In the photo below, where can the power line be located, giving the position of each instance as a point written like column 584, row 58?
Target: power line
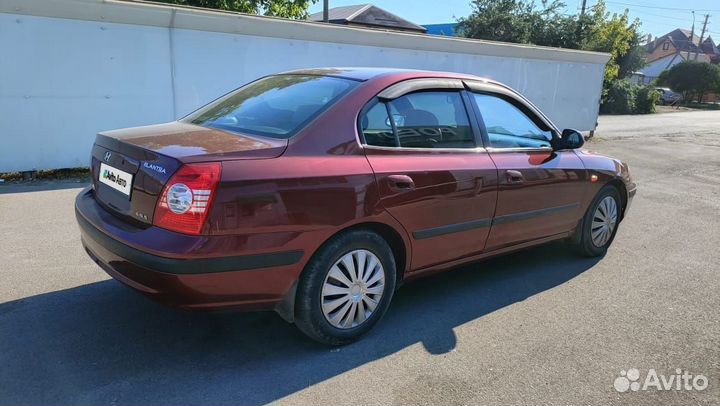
column 660, row 8
column 660, row 23
column 641, row 14
column 662, row 16
column 644, row 13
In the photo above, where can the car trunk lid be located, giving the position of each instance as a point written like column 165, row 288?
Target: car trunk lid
column 146, row 158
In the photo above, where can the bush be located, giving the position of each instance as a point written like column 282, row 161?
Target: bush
column 647, row 97
column 624, row 97
column 620, row 99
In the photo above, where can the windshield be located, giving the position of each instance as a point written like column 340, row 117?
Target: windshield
column 276, row 106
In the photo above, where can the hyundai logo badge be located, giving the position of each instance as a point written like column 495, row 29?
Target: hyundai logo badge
column 107, row 156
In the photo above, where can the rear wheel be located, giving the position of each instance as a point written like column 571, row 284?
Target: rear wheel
column 346, row 288
column 600, row 223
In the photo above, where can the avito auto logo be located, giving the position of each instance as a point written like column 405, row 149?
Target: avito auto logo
column 114, row 178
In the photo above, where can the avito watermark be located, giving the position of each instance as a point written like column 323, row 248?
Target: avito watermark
column 680, row 380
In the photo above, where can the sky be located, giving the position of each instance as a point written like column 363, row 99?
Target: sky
column 657, row 16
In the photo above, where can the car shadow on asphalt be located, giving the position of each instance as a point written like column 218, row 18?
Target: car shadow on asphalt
column 103, row 343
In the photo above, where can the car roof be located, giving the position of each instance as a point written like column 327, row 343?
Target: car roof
column 367, row 73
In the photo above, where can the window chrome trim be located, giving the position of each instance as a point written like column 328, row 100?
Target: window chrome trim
column 493, row 150
column 377, row 147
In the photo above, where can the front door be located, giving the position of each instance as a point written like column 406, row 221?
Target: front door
column 539, row 189
column 431, row 175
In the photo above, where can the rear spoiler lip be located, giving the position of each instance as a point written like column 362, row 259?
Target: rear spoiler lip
column 114, row 140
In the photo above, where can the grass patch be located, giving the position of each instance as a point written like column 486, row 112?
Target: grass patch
column 74, row 174
column 702, row 106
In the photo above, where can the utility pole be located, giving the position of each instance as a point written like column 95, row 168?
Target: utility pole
column 581, row 22
column 326, row 11
column 692, row 34
column 702, row 34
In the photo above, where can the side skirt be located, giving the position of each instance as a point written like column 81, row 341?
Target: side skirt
column 462, row 261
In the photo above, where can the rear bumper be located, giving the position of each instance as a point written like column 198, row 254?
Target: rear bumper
column 182, row 270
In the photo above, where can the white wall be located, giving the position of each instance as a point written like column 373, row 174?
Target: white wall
column 557, row 88
column 62, row 80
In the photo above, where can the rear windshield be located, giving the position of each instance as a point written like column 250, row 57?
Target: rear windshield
column 276, row 106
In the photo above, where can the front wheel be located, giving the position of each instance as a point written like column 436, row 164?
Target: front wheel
column 346, row 288
column 600, row 223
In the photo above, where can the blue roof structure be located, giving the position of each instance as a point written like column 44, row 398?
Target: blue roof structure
column 447, row 29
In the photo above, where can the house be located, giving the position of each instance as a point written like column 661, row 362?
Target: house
column 710, row 48
column 368, row 16
column 674, row 47
column 678, row 40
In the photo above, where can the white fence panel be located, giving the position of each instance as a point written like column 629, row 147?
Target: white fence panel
column 71, row 68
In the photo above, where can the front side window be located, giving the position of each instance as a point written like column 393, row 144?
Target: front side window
column 509, row 127
column 434, row 119
column 276, row 106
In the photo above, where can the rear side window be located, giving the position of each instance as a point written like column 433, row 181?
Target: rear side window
column 276, row 106
column 507, row 126
column 422, row 120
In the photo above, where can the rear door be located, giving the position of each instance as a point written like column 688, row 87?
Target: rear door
column 540, row 190
column 433, row 175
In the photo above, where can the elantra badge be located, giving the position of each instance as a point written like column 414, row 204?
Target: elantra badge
column 156, row 168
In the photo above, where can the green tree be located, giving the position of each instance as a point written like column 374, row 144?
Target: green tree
column 516, row 21
column 527, row 22
column 633, row 61
column 691, row 78
column 296, row 9
column 616, row 35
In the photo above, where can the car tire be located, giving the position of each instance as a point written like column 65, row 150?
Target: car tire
column 321, row 288
column 598, row 228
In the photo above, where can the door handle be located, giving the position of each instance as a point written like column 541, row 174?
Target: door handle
column 514, row 177
column 400, row 183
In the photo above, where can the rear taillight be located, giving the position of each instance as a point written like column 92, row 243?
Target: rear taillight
column 185, row 201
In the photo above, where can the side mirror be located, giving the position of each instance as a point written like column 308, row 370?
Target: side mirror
column 398, row 118
column 570, row 139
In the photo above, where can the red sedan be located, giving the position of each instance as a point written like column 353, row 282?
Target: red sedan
column 316, row 193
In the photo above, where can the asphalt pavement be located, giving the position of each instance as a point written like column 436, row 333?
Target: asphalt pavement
column 541, row 326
